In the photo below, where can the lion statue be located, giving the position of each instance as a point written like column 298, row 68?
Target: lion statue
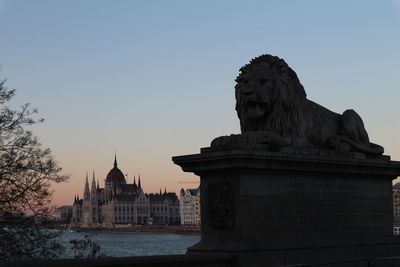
column 273, row 109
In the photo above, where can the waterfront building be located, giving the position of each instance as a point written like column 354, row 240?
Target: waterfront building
column 120, row 203
column 396, row 230
column 189, row 201
column 77, row 211
column 64, row 214
column 164, row 208
column 396, row 204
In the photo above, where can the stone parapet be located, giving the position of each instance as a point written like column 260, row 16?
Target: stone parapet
column 193, row 260
column 263, row 201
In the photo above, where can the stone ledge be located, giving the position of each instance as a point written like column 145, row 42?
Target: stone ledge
column 270, row 245
column 190, row 260
column 209, row 160
column 331, row 153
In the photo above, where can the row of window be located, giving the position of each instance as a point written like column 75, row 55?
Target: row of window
column 166, row 218
column 128, row 208
column 124, row 218
column 144, row 208
column 154, row 208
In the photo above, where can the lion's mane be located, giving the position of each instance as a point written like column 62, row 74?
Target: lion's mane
column 284, row 117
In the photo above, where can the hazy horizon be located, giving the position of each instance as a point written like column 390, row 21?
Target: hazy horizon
column 154, row 79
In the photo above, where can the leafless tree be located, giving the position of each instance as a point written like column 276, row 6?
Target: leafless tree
column 26, row 173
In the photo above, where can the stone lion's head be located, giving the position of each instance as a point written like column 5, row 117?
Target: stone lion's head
column 269, row 97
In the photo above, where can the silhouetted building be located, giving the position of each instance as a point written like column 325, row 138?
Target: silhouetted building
column 64, row 214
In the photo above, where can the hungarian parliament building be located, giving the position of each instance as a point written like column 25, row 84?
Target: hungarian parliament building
column 122, row 203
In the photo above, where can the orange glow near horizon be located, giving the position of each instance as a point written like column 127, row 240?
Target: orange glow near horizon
column 169, row 178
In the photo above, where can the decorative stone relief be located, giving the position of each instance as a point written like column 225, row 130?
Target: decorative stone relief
column 221, row 206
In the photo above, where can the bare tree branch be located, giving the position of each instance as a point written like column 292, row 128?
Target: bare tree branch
column 26, row 171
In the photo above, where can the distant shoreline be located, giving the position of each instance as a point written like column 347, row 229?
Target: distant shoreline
column 168, row 229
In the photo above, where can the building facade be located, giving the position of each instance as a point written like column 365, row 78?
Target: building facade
column 189, row 201
column 120, row 203
column 64, row 214
column 396, row 204
column 164, row 208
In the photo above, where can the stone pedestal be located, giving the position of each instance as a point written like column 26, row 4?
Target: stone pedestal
column 306, row 207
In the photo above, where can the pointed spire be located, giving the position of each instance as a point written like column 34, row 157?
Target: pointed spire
column 139, row 185
column 93, row 179
column 134, row 180
column 160, row 191
column 115, row 160
column 165, row 190
column 98, row 185
column 86, row 193
column 93, row 190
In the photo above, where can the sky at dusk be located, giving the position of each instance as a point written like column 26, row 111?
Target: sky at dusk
column 154, row 79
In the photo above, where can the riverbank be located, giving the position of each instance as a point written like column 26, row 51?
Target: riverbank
column 170, row 229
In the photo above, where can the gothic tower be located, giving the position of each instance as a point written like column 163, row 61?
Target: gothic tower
column 86, row 207
column 94, row 201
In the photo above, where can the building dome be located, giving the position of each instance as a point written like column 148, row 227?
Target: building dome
column 115, row 175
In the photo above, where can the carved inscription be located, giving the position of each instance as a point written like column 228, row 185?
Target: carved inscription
column 221, row 206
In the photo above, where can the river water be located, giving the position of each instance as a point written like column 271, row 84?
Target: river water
column 116, row 244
